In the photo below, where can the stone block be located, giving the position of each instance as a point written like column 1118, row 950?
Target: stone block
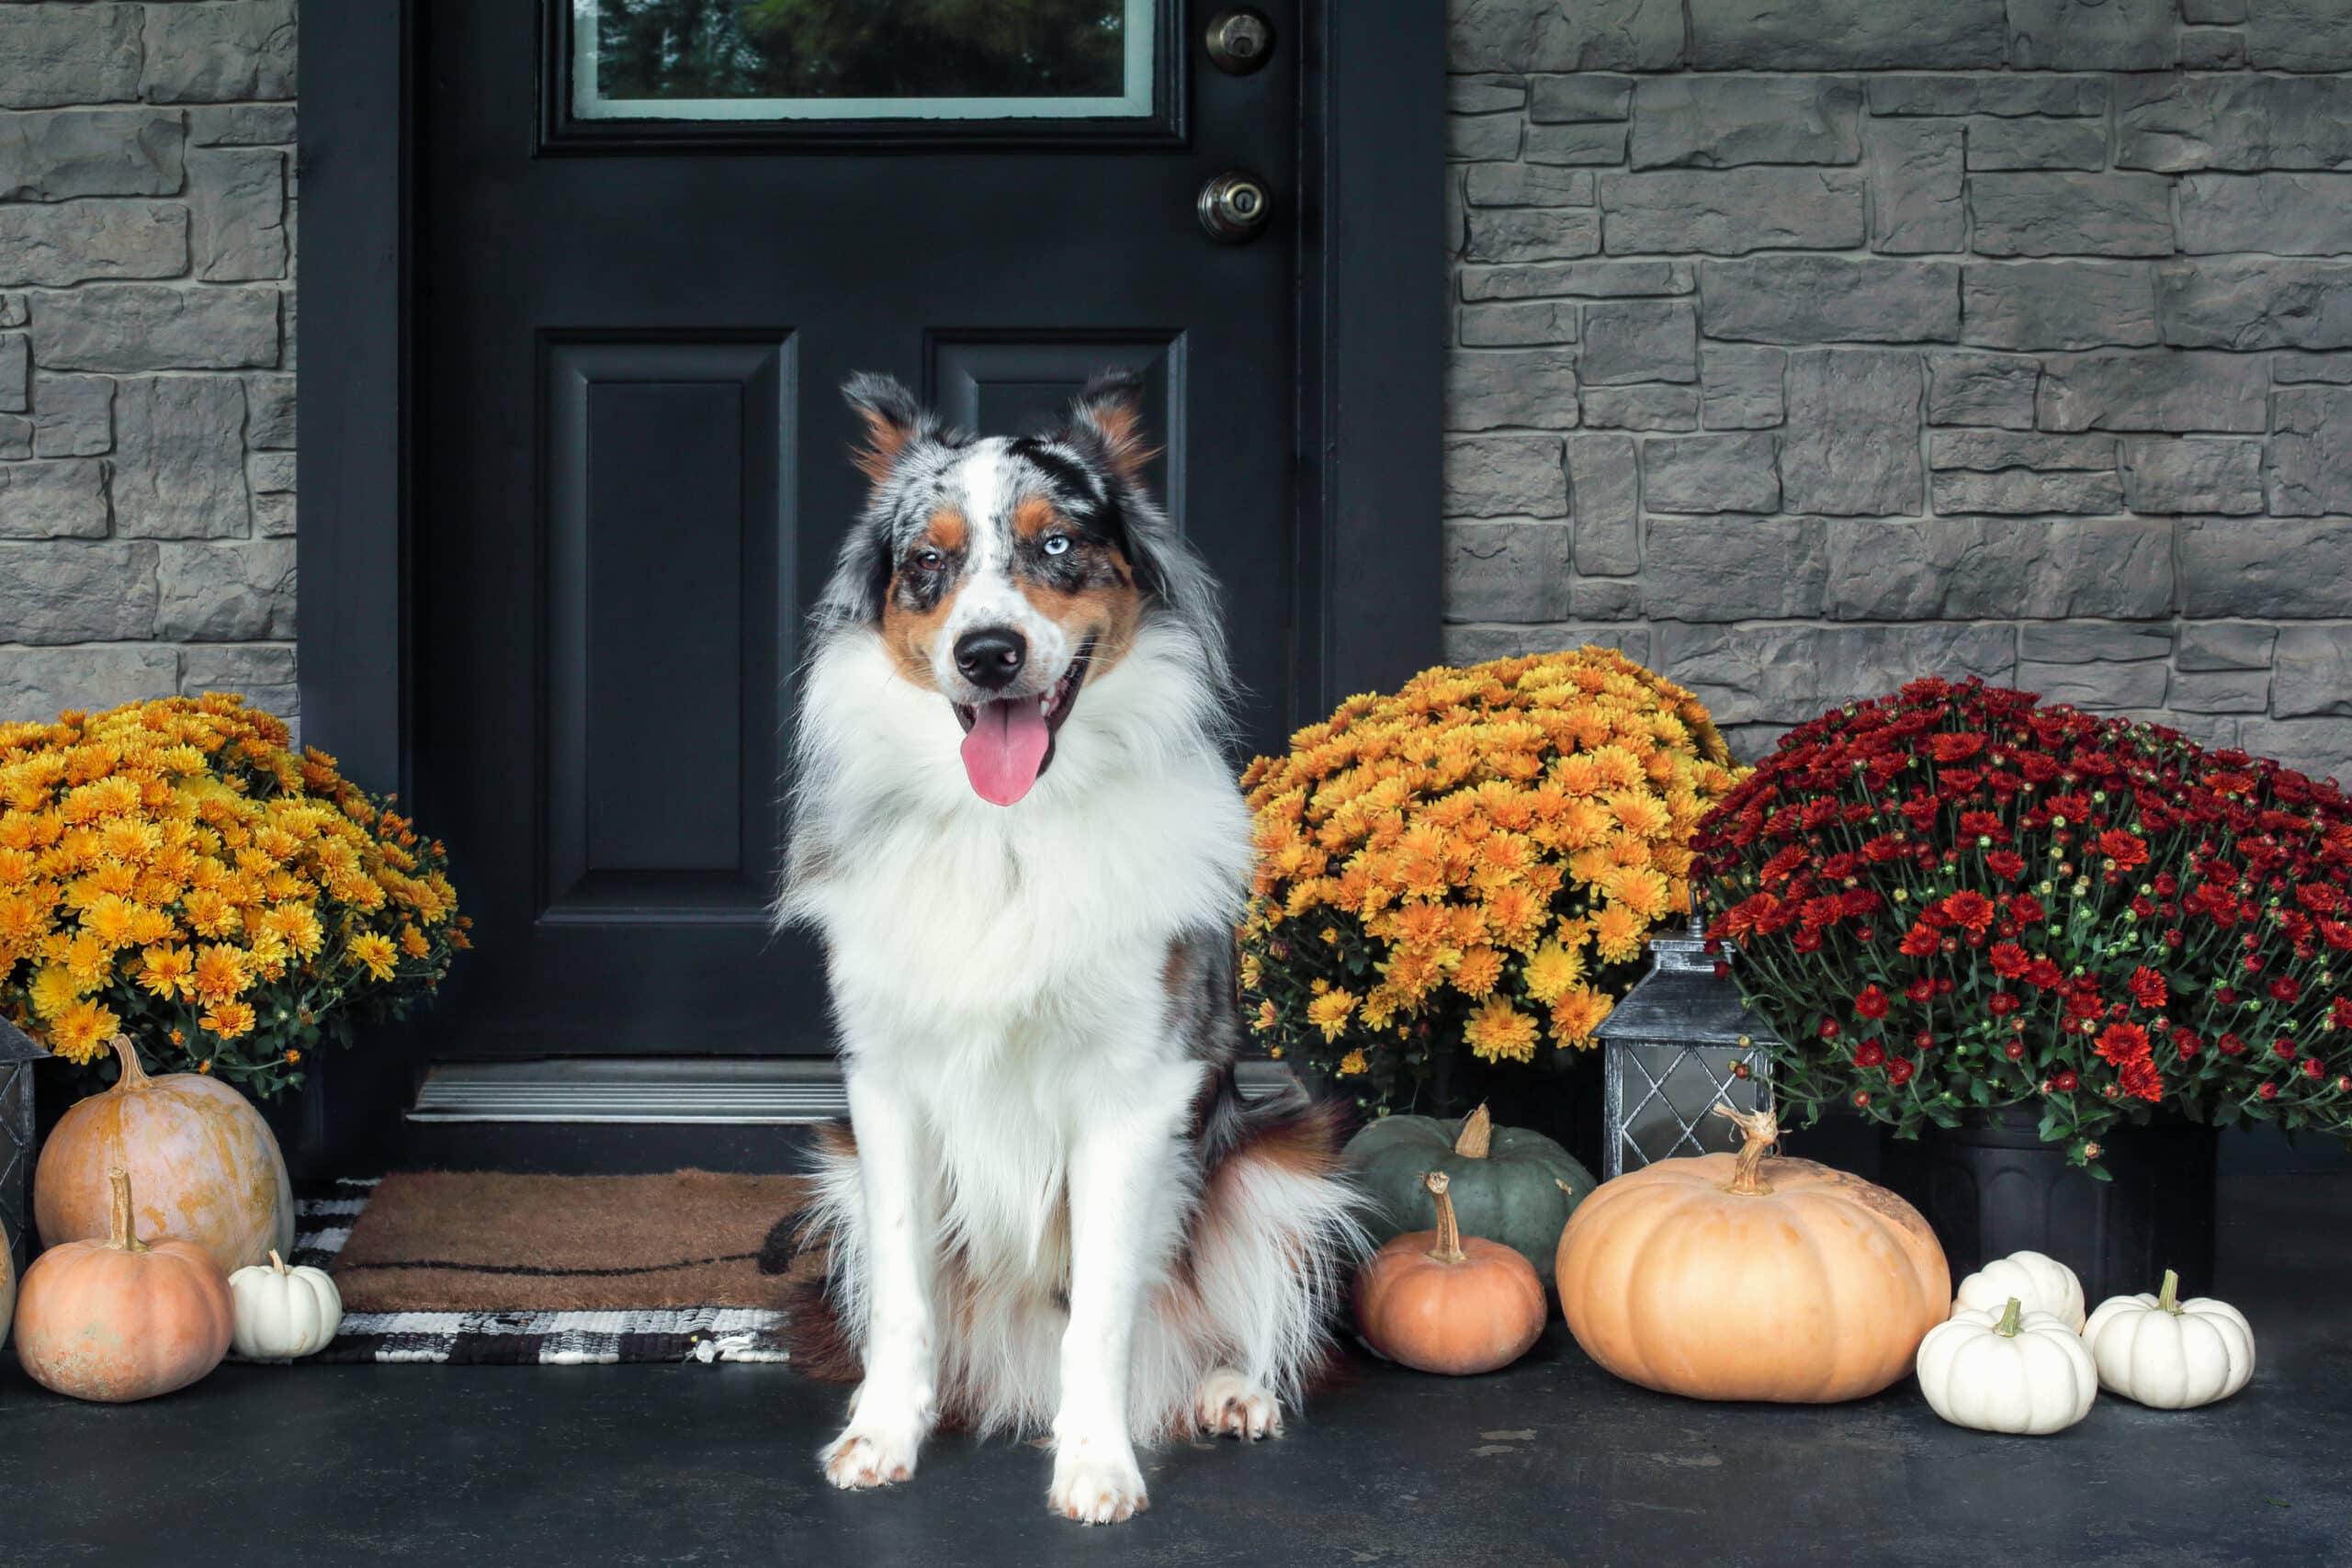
column 2203, row 48
column 1605, row 477
column 2265, row 568
column 1640, row 340
column 2225, row 645
column 64, row 498
column 2223, row 392
column 1977, row 567
column 2101, row 687
column 102, row 590
column 1740, row 386
column 16, row 437
column 1471, row 138
column 1728, row 472
column 68, row 54
column 1655, row 406
column 1915, row 177
column 2318, row 748
column 2090, row 642
column 2003, row 94
column 2192, row 473
column 38, row 684
column 1988, row 451
column 1786, row 674
column 274, row 514
column 1733, row 569
column 2233, row 120
column 1576, row 143
column 1583, row 98
column 2312, row 677
column 1605, row 598
column 241, row 592
column 179, row 469
column 1504, row 476
column 1846, row 35
column 1531, row 233
column 135, row 327
column 1528, row 184
column 2058, row 305
column 1526, row 387
column 1506, row 571
column 2212, row 12
column 2221, row 691
column 1852, row 444
column 2299, row 35
column 1579, row 280
column 2284, row 214
column 1982, row 389
column 2036, row 143
column 219, row 53
column 1474, row 644
column 2303, row 367
column 262, row 673
column 1715, row 123
column 2036, row 214
column 1519, row 323
column 1516, row 37
column 1733, row 212
column 2256, row 302
column 72, row 415
column 2093, row 35
column 2024, row 493
column 16, row 372
column 270, row 413
column 2309, row 473
column 1484, row 94
column 13, row 311
column 237, row 206
column 76, row 153
column 1813, row 299
column 242, row 125
column 79, row 241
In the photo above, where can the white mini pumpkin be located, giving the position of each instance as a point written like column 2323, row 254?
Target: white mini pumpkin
column 2039, row 1282
column 2017, row 1371
column 282, row 1312
column 2168, row 1353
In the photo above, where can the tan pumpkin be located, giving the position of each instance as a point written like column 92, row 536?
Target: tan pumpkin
column 1439, row 1301
column 118, row 1320
column 1745, row 1276
column 205, row 1165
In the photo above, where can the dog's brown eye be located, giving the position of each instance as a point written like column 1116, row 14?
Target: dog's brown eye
column 929, row 560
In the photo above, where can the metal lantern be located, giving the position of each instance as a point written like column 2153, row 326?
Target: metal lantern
column 1680, row 1043
column 17, row 1055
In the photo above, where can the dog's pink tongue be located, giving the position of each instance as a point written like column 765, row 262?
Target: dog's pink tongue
column 1005, row 749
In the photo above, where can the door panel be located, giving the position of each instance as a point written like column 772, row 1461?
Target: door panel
column 632, row 478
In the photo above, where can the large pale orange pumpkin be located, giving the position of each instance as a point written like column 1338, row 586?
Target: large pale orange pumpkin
column 205, row 1165
column 1441, row 1301
column 118, row 1320
column 1745, row 1276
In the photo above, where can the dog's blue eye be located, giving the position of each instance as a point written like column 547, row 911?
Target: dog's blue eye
column 1057, row 544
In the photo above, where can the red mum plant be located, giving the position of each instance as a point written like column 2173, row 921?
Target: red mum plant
column 1957, row 898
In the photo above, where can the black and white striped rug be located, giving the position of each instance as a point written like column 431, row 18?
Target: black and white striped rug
column 324, row 1216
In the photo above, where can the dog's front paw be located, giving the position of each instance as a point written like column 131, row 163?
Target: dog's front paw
column 868, row 1456
column 1227, row 1405
column 1097, row 1485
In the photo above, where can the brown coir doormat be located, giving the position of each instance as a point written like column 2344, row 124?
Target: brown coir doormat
column 468, row 1241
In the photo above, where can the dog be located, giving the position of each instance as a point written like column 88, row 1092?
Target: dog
column 1016, row 832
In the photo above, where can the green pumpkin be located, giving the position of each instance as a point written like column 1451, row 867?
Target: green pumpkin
column 1509, row 1185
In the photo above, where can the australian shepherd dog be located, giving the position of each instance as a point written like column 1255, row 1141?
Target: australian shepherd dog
column 1017, row 834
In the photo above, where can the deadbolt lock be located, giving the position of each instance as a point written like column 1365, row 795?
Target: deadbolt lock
column 1234, row 207
column 1241, row 41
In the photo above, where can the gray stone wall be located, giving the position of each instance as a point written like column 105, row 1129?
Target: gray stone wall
column 146, row 351
column 1802, row 348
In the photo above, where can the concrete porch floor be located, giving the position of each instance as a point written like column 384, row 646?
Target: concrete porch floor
column 1553, row 1461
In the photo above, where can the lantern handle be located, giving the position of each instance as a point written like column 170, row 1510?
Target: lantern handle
column 1698, row 927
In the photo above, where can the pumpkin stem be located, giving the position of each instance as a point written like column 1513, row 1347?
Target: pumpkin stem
column 133, row 1075
column 2168, row 1298
column 123, row 1233
column 277, row 1262
column 1477, row 1135
column 1449, row 1230
column 2007, row 1327
column 1762, row 1130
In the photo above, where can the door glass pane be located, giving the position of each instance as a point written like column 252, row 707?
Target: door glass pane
column 752, row 59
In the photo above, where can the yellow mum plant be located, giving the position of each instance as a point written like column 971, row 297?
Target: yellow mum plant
column 170, row 870
column 1477, row 858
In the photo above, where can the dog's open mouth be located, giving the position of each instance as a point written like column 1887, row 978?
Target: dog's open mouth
column 1009, row 745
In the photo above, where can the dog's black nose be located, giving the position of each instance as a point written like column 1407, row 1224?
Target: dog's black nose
column 991, row 657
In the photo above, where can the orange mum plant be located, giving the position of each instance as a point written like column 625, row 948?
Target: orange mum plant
column 1475, row 861
column 170, row 870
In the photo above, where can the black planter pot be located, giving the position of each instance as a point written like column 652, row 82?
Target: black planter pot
column 1991, row 1187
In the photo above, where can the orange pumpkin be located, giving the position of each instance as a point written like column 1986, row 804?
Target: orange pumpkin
column 118, row 1320
column 1743, row 1277
column 206, row 1165
column 1441, row 1301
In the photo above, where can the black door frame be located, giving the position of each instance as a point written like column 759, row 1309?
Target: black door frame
column 1371, row 321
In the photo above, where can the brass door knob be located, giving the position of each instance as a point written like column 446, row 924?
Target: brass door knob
column 1234, row 207
column 1241, row 41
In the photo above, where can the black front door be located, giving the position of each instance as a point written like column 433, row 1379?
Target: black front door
column 653, row 237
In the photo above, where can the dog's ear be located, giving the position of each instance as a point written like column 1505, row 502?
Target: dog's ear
column 894, row 421
column 1107, row 421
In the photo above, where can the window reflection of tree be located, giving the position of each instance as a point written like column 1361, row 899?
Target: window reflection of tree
column 859, row 49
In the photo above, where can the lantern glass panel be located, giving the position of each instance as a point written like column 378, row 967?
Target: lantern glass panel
column 1663, row 1097
column 16, row 1155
